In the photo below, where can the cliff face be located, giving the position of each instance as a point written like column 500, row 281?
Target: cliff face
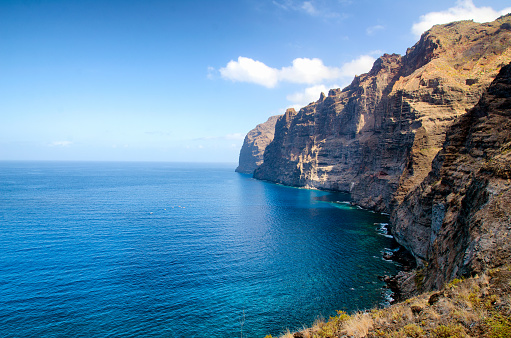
column 251, row 154
column 458, row 220
column 377, row 137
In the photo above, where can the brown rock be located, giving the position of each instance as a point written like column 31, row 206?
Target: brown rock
column 251, row 154
column 400, row 139
column 377, row 137
column 416, row 310
column 457, row 220
column 434, row 298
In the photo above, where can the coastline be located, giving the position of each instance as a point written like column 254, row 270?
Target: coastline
column 396, row 283
column 398, row 254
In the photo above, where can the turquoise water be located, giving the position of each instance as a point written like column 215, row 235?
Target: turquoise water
column 176, row 250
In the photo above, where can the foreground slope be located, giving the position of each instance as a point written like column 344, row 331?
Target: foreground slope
column 475, row 307
column 377, row 137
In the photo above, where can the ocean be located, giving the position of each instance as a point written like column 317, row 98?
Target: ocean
column 96, row 249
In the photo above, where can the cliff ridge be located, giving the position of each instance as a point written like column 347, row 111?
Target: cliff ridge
column 254, row 144
column 377, row 137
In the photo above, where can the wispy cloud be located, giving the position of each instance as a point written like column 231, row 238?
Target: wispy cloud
column 303, row 70
column 464, row 10
column 158, row 133
column 373, row 29
column 211, row 73
column 308, row 7
column 320, row 9
column 60, row 144
column 233, row 136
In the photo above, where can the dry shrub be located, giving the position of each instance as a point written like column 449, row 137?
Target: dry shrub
column 288, row 334
column 472, row 307
column 326, row 328
column 411, row 330
column 500, row 326
column 449, row 331
column 396, row 314
column 445, row 306
column 359, row 325
column 431, row 314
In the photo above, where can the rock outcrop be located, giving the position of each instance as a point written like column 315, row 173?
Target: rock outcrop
column 251, row 153
column 378, row 137
column 458, row 220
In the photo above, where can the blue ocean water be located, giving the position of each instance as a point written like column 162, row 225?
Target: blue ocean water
column 176, row 250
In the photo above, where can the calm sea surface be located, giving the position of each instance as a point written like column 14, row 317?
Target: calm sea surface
column 176, row 250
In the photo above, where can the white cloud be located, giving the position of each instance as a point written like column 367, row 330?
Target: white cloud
column 358, row 66
column 310, row 94
column 302, row 70
column 373, row 29
column 60, row 144
column 308, row 71
column 248, row 70
column 343, row 74
column 464, row 10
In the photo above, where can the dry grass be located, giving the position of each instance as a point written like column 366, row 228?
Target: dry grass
column 475, row 307
column 359, row 325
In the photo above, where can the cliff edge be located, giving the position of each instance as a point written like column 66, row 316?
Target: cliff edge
column 458, row 220
column 377, row 137
column 256, row 141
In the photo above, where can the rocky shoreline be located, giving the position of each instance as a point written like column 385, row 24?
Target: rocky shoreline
column 383, row 140
column 426, row 138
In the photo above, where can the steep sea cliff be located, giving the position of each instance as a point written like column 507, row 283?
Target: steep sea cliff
column 256, row 141
column 383, row 139
column 458, row 220
column 464, row 208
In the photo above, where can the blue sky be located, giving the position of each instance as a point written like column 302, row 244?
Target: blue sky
column 158, row 80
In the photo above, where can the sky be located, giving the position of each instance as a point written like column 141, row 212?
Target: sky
column 184, row 81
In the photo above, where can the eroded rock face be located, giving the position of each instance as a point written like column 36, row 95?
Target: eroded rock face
column 458, row 220
column 377, row 137
column 251, row 154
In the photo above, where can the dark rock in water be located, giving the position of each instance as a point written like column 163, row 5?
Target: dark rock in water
column 404, row 258
column 251, row 154
column 388, row 255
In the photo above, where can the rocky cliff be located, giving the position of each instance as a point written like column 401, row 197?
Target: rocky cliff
column 458, row 220
column 251, row 153
column 377, row 137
